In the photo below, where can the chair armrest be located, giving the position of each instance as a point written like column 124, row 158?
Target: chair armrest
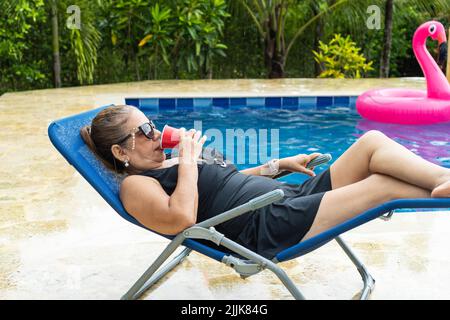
column 251, row 205
column 282, row 174
column 323, row 158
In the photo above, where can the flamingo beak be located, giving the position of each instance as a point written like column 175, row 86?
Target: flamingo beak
column 441, row 38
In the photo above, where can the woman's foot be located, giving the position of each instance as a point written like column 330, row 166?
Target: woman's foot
column 442, row 190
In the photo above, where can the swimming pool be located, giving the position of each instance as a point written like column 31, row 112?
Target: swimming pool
column 302, row 125
column 293, row 125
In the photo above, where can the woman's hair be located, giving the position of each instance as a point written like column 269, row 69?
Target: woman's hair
column 106, row 129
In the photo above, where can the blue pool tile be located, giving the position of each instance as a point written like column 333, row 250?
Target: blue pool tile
column 238, row 102
column 308, row 102
column 323, row 102
column 185, row 103
column 221, row 102
column 256, row 102
column 352, row 103
column 166, row 104
column 132, row 102
column 341, row 101
column 201, row 103
column 290, row 103
column 273, row 102
column 149, row 104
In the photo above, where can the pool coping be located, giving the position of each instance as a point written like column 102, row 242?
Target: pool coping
column 286, row 87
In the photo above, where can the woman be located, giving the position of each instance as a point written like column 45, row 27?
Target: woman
column 169, row 195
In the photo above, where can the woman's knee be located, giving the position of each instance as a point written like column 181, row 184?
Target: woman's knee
column 373, row 137
column 370, row 142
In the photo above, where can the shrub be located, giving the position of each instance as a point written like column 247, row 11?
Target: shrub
column 341, row 58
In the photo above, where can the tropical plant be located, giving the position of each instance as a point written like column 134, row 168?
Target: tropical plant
column 273, row 18
column 270, row 18
column 188, row 39
column 158, row 37
column 85, row 42
column 196, row 28
column 200, row 26
column 126, row 19
column 19, row 67
column 341, row 59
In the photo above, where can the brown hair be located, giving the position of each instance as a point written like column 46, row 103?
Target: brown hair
column 106, row 129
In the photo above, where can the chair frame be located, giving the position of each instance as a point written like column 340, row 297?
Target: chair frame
column 244, row 261
column 254, row 262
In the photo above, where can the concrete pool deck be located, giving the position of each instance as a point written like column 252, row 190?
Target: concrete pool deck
column 60, row 240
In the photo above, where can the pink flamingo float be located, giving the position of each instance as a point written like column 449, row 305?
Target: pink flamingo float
column 407, row 106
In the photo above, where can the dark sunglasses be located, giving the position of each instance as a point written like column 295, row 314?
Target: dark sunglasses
column 147, row 129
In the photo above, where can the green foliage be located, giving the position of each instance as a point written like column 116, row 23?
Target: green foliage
column 159, row 37
column 186, row 34
column 199, row 31
column 84, row 42
column 341, row 59
column 130, row 40
column 19, row 66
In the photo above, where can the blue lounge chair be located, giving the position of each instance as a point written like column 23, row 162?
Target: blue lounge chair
column 202, row 237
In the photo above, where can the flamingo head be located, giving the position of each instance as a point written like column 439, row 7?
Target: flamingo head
column 433, row 29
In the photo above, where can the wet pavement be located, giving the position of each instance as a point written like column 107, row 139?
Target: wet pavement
column 60, row 240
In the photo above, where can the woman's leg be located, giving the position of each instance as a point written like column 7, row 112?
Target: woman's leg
column 376, row 153
column 346, row 202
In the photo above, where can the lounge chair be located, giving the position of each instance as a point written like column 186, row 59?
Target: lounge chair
column 202, row 237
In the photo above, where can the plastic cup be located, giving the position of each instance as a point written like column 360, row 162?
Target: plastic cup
column 170, row 137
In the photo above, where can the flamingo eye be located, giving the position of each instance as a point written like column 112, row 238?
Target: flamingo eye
column 432, row 29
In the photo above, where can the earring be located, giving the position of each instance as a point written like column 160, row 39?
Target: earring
column 134, row 141
column 126, row 164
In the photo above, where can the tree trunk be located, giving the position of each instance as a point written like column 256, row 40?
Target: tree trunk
column 175, row 57
column 55, row 46
column 207, row 69
column 386, row 53
column 274, row 53
column 317, row 36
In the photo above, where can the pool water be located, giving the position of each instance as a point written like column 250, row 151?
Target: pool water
column 302, row 131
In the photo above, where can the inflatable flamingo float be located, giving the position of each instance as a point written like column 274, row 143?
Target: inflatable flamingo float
column 407, row 106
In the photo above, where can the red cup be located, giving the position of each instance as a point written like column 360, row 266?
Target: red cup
column 170, row 137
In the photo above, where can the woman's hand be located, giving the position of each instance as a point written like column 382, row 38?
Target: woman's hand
column 298, row 163
column 190, row 146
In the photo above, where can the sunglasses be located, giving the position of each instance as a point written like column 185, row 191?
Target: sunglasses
column 147, row 129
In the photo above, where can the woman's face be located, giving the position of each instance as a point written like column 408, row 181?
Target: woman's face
column 146, row 153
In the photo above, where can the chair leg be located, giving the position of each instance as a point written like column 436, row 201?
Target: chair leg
column 265, row 264
column 151, row 276
column 161, row 273
column 286, row 281
column 368, row 280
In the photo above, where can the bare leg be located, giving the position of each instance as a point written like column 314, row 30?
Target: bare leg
column 442, row 191
column 344, row 203
column 376, row 153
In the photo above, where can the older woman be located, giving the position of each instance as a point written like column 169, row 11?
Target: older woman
column 169, row 195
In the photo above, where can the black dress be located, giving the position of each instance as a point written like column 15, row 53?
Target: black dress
column 267, row 230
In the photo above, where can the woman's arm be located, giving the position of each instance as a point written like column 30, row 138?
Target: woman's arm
column 294, row 164
column 144, row 198
column 262, row 170
column 184, row 197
